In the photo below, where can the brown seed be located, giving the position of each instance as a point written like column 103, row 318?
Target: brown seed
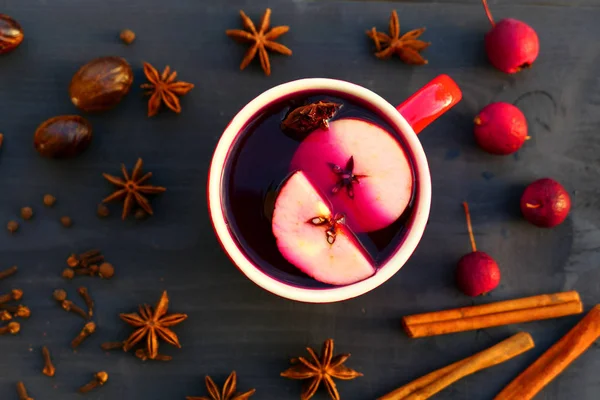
column 26, row 213
column 59, row 295
column 22, row 392
column 127, row 36
column 49, row 200
column 12, row 226
column 85, row 295
column 99, row 379
column 106, row 271
column 13, row 328
column 8, row 272
column 140, row 214
column 87, row 330
column 49, row 369
column 68, row 273
column 67, row 222
column 101, row 84
column 14, row 295
column 69, row 306
column 112, row 346
column 103, row 211
column 64, row 136
column 11, row 34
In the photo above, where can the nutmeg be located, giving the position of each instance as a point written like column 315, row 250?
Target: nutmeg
column 64, row 136
column 11, row 34
column 101, row 84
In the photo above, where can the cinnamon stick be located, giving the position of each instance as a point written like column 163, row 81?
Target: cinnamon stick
column 500, row 313
column 555, row 359
column 436, row 381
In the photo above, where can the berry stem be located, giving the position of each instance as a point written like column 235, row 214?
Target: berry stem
column 469, row 226
column 488, row 13
column 528, row 205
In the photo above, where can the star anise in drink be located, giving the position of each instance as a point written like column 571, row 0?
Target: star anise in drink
column 323, row 369
column 346, row 177
column 131, row 188
column 261, row 40
column 332, row 225
column 407, row 46
column 163, row 88
column 229, row 391
column 153, row 324
column 307, row 118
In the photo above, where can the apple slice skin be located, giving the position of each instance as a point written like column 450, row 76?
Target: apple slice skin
column 305, row 245
column 382, row 195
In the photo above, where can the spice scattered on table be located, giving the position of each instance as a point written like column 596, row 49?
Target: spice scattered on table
column 64, row 136
column 12, row 226
column 434, row 382
column 22, row 392
column 66, row 221
column 18, row 311
column 476, row 273
column 229, row 391
column 127, row 36
column 87, row 298
column 69, row 306
column 101, row 84
column 106, row 271
column 132, row 189
column 26, row 213
column 102, row 211
column 112, row 346
column 321, row 370
column 49, row 200
column 140, row 214
column 527, row 309
column 511, row 45
column 555, row 360
column 11, row 34
column 87, row 330
column 142, row 354
column 14, row 295
column 13, row 328
column 100, row 379
column 408, row 46
column 1, row 140
column 8, row 272
column 152, row 324
column 305, row 119
column 545, row 203
column 261, row 40
column 164, row 89
column 85, row 259
column 49, row 369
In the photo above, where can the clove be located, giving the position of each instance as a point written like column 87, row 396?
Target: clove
column 22, row 392
column 69, row 306
column 112, row 346
column 143, row 355
column 15, row 294
column 8, row 272
column 100, row 379
column 85, row 295
column 49, row 369
column 19, row 311
column 85, row 259
column 13, row 328
column 87, row 330
column 5, row 315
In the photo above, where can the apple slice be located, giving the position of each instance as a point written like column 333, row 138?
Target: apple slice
column 315, row 240
column 361, row 168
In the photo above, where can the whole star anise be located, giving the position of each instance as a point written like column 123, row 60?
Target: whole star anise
column 164, row 89
column 319, row 370
column 346, row 177
column 332, row 223
column 407, row 46
column 260, row 39
column 132, row 188
column 153, row 324
column 228, row 392
column 307, row 118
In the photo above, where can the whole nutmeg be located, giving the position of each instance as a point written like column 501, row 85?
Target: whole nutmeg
column 64, row 136
column 11, row 34
column 101, row 84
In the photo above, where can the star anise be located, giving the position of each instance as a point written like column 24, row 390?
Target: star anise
column 153, row 324
column 228, row 393
column 332, row 223
column 346, row 177
column 305, row 119
column 260, row 39
column 164, row 89
column 132, row 188
column 407, row 46
column 324, row 369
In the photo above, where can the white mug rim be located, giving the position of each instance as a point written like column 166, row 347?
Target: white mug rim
column 319, row 295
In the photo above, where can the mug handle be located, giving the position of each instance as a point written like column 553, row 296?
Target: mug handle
column 429, row 102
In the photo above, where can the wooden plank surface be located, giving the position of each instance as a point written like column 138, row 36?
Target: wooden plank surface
column 232, row 323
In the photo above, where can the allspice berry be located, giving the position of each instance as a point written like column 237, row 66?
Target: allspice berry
column 26, row 213
column 67, row 222
column 68, row 273
column 140, row 214
column 12, row 226
column 127, row 36
column 106, row 271
column 49, row 200
column 103, row 211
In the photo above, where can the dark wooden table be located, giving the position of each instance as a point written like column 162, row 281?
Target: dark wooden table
column 232, row 323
